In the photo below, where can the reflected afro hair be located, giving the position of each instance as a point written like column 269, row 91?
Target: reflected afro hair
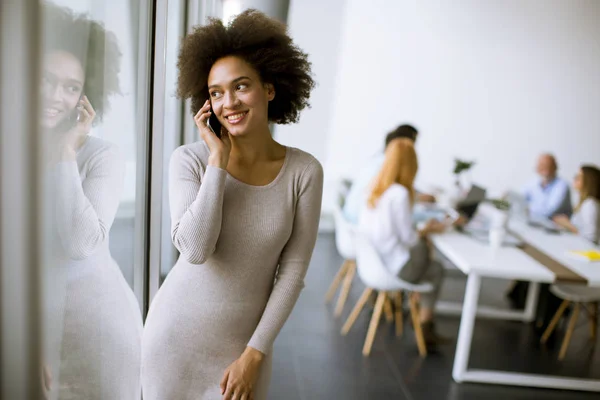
column 260, row 41
column 96, row 48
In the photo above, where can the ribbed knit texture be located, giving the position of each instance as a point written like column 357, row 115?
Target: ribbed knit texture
column 244, row 251
column 100, row 350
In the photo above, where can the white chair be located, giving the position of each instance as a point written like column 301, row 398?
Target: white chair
column 375, row 276
column 580, row 295
column 344, row 240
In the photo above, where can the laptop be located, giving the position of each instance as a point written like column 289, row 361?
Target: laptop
column 468, row 206
column 519, row 210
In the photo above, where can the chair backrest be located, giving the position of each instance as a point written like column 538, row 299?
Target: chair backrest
column 374, row 273
column 344, row 231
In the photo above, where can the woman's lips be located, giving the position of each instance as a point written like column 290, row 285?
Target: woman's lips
column 235, row 119
column 51, row 112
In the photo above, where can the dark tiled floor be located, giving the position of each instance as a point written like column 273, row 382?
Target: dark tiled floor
column 313, row 361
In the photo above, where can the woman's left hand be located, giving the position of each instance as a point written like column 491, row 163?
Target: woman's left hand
column 241, row 376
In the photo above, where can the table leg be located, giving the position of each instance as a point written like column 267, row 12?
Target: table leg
column 533, row 294
column 465, row 332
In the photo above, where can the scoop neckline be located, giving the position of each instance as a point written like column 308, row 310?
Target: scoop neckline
column 270, row 184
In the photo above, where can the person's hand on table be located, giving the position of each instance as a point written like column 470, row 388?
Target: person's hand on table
column 426, row 198
column 561, row 220
column 461, row 221
column 564, row 222
column 432, row 226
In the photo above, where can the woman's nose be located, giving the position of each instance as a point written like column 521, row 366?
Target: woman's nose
column 231, row 100
column 56, row 92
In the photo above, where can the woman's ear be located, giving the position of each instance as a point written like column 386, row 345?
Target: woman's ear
column 270, row 91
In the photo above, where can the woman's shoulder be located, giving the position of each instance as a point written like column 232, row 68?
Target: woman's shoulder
column 96, row 148
column 397, row 191
column 195, row 153
column 303, row 162
column 590, row 204
column 95, row 144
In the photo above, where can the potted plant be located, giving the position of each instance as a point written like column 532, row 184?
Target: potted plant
column 460, row 167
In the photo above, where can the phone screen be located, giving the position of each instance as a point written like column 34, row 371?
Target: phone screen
column 214, row 124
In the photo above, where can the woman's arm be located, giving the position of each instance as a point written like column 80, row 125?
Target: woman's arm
column 85, row 210
column 294, row 259
column 196, row 205
column 565, row 222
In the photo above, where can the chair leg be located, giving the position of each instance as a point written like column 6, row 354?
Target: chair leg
column 339, row 307
column 570, row 329
column 398, row 313
column 336, row 281
column 414, row 312
column 357, row 309
column 554, row 321
column 374, row 322
column 387, row 309
column 593, row 320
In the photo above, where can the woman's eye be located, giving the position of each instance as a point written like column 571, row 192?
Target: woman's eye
column 73, row 89
column 215, row 94
column 241, row 86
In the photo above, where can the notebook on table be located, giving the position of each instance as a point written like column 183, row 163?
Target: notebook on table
column 585, row 255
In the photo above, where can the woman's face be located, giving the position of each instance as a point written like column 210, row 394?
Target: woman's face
column 239, row 98
column 578, row 181
column 62, row 86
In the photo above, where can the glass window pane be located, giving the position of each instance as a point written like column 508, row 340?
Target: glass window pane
column 89, row 124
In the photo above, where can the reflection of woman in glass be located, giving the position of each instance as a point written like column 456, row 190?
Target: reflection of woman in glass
column 245, row 212
column 101, row 333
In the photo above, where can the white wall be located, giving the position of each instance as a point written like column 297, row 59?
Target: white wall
column 316, row 27
column 497, row 81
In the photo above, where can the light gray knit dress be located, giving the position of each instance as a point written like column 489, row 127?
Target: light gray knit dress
column 95, row 324
column 244, row 251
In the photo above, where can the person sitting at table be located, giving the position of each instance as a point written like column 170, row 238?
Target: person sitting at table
column 548, row 195
column 386, row 219
column 586, row 218
column 358, row 191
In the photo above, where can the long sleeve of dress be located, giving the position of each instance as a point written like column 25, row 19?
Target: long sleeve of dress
column 196, row 203
column 86, row 209
column 294, row 259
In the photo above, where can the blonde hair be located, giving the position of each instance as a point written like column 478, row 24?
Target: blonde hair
column 400, row 166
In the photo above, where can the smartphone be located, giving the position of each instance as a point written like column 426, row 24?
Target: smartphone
column 75, row 114
column 214, row 124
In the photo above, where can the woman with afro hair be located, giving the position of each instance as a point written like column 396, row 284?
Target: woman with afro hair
column 94, row 321
column 245, row 213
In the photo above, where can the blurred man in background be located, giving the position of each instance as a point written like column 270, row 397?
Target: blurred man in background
column 548, row 195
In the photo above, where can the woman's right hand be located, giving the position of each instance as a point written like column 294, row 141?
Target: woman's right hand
column 219, row 148
column 433, row 226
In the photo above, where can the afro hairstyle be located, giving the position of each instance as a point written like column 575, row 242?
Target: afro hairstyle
column 95, row 47
column 260, row 41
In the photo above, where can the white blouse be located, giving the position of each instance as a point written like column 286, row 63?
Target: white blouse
column 587, row 219
column 389, row 226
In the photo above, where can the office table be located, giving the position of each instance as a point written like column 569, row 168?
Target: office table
column 477, row 260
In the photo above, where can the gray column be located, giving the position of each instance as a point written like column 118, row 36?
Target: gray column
column 273, row 8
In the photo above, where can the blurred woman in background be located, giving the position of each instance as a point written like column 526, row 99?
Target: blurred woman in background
column 387, row 221
column 586, row 217
column 99, row 336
